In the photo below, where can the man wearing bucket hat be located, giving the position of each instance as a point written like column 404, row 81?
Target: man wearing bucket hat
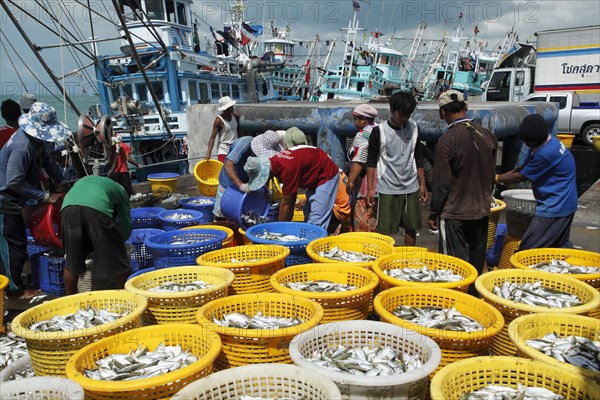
column 463, row 180
column 226, row 126
column 27, row 100
column 21, row 158
column 550, row 167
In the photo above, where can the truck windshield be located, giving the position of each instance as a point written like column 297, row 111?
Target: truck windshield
column 499, row 87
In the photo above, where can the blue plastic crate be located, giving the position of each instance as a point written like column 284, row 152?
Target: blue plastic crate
column 297, row 249
column 141, row 257
column 141, row 271
column 235, row 203
column 33, row 247
column 146, row 217
column 492, row 257
column 166, row 254
column 51, row 275
column 205, row 209
column 168, row 224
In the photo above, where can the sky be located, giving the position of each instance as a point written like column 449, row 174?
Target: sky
column 304, row 18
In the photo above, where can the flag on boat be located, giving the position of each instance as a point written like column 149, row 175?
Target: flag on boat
column 355, row 5
column 255, row 30
column 212, row 31
column 476, row 30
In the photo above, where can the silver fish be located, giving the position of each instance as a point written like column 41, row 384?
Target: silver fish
column 82, row 319
column 497, row 392
column 279, row 237
column 252, row 218
column 245, row 260
column 369, row 361
column 335, row 253
column 11, row 349
column 180, row 216
column 180, row 287
column 141, row 363
column 200, row 202
column 563, row 267
column 23, row 373
column 258, row 321
column 189, row 241
column 319, row 286
column 535, row 294
column 575, row 350
column 423, row 274
column 438, row 318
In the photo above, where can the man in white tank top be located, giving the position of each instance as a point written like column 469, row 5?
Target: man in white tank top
column 226, row 125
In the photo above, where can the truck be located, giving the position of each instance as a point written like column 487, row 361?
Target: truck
column 566, row 61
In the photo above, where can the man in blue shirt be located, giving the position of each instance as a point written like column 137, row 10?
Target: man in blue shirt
column 550, row 167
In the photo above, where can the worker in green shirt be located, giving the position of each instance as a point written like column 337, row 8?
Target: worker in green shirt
column 89, row 224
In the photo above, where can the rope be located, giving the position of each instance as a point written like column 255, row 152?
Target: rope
column 13, row 65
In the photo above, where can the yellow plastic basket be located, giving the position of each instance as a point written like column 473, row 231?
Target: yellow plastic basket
column 465, row 376
column 511, row 245
column 228, row 242
column 299, row 214
column 454, row 345
column 493, row 222
column 250, row 277
column 337, row 306
column 50, row 351
column 275, row 187
column 536, row 326
column 417, row 260
column 3, row 283
column 371, row 235
column 247, row 241
column 257, row 346
column 207, row 173
column 501, row 344
column 361, row 244
column 179, row 307
column 566, row 139
column 201, row 342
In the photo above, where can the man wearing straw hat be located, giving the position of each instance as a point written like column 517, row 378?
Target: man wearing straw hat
column 227, row 126
column 21, row 158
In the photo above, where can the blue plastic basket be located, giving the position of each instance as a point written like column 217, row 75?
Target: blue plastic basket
column 141, row 256
column 141, row 271
column 165, row 254
column 493, row 254
column 297, row 249
column 168, row 224
column 34, row 248
column 235, row 203
column 205, row 209
column 146, row 217
column 51, row 275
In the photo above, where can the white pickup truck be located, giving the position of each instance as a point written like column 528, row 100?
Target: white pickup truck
column 575, row 118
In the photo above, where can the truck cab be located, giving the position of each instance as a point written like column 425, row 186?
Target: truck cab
column 509, row 84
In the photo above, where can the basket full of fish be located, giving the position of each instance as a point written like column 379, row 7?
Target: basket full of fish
column 171, row 220
column 294, row 235
column 368, row 359
column 245, row 209
column 182, row 247
column 462, row 325
column 153, row 362
column 175, row 294
column 203, row 204
column 516, row 292
column 496, row 208
column 261, row 382
column 258, row 328
column 424, row 268
column 12, row 349
column 251, row 265
column 345, row 291
column 510, row 378
column 41, row 387
column 55, row 330
column 20, row 369
column 359, row 250
column 571, row 342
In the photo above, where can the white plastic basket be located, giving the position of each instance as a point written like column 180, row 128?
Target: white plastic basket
column 18, row 366
column 520, row 210
column 411, row 385
column 41, row 387
column 264, row 380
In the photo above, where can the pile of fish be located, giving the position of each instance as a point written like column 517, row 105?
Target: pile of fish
column 534, row 294
column 252, row 218
column 247, row 397
column 563, row 267
column 258, row 321
column 279, row 237
column 449, row 319
column 141, row 363
column 575, row 350
column 423, row 274
column 179, row 216
column 188, row 241
column 23, row 373
column 245, row 260
column 82, row 319
column 201, row 202
column 319, row 286
column 335, row 253
column 11, row 349
column 368, row 361
column 180, row 287
column 497, row 392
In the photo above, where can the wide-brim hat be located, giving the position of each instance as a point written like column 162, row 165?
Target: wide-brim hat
column 266, row 144
column 294, row 137
column 225, row 102
column 41, row 123
column 258, row 170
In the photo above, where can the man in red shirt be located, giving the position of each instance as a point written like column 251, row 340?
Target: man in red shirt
column 11, row 111
column 120, row 173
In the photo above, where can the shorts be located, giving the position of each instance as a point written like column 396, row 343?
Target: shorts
column 395, row 211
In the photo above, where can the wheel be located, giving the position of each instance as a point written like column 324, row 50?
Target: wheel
column 589, row 131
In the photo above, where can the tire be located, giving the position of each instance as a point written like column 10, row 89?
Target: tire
column 588, row 132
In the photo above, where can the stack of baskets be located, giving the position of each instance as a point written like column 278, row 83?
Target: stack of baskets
column 235, row 203
column 207, row 173
column 141, row 257
column 520, row 210
column 182, row 247
column 307, row 233
column 374, row 247
column 493, row 222
column 492, row 257
column 203, row 204
column 337, row 306
column 251, row 265
column 501, row 344
column 171, row 307
column 509, row 247
column 146, row 217
column 257, row 346
column 176, row 219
